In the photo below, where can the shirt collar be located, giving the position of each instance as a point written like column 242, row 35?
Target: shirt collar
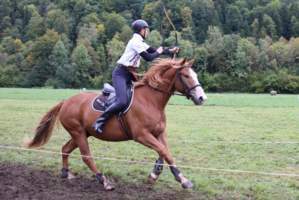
column 137, row 35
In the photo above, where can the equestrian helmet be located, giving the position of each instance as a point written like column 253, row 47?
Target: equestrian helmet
column 139, row 24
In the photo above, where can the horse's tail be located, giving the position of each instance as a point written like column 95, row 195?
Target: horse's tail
column 44, row 130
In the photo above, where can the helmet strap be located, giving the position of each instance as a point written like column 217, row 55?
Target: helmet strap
column 141, row 34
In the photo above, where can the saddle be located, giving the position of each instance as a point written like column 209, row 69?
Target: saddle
column 108, row 97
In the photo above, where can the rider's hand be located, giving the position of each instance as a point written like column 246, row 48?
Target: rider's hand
column 160, row 50
column 174, row 50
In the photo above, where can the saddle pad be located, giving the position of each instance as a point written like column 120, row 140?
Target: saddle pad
column 101, row 102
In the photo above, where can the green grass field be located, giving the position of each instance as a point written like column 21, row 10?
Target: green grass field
column 231, row 131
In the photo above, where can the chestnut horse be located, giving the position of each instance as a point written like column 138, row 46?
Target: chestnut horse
column 145, row 120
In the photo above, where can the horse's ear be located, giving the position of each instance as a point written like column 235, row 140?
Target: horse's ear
column 190, row 63
column 183, row 61
column 180, row 63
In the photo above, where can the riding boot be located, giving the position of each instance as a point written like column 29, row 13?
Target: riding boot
column 100, row 122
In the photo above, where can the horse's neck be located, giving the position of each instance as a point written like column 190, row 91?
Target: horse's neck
column 159, row 95
column 155, row 97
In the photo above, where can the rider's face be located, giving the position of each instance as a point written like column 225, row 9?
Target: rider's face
column 145, row 32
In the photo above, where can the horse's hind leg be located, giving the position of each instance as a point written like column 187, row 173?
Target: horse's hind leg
column 67, row 148
column 82, row 143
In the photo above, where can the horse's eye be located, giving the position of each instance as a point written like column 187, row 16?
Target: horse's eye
column 186, row 75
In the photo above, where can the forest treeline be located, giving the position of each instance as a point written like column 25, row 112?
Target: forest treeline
column 238, row 45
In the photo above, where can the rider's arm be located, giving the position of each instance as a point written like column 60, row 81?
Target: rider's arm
column 151, row 50
column 151, row 53
column 166, row 51
column 149, row 56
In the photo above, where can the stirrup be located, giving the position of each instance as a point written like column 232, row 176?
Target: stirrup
column 98, row 127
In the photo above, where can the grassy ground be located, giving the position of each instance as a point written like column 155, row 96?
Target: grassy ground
column 231, row 131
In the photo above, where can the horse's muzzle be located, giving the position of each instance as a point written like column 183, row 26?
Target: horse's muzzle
column 198, row 101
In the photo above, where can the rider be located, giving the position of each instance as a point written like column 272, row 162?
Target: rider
column 121, row 76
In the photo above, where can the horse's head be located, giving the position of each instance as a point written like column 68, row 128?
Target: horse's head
column 187, row 83
column 168, row 75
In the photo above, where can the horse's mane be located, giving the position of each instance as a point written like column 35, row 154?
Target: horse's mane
column 154, row 75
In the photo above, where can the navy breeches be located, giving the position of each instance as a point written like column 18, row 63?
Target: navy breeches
column 121, row 79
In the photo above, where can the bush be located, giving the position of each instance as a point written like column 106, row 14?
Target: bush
column 222, row 82
column 282, row 81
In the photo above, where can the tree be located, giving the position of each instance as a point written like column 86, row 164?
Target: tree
column 59, row 59
column 6, row 8
column 113, row 23
column 155, row 38
column 12, row 46
column 245, row 57
column 201, row 58
column 215, row 46
column 295, row 26
column 36, row 27
column 279, row 51
column 115, row 47
column 204, row 15
column 294, row 52
column 263, row 57
column 255, row 26
column 57, row 20
column 233, row 19
column 8, row 76
column 40, row 53
column 81, row 62
column 88, row 32
column 152, row 13
column 186, row 15
column 187, row 49
column 270, row 27
column 125, row 34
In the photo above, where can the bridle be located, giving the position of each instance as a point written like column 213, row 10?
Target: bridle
column 187, row 90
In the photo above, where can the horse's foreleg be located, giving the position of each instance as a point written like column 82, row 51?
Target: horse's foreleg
column 66, row 150
column 82, row 143
column 150, row 141
column 158, row 167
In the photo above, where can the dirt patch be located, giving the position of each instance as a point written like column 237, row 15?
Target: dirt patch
column 23, row 182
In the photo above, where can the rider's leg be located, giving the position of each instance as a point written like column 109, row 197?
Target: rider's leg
column 120, row 77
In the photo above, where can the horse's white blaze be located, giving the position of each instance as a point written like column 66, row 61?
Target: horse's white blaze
column 198, row 91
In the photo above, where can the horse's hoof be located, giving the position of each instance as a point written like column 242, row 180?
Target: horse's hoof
column 187, row 185
column 70, row 175
column 152, row 179
column 64, row 173
column 109, row 187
